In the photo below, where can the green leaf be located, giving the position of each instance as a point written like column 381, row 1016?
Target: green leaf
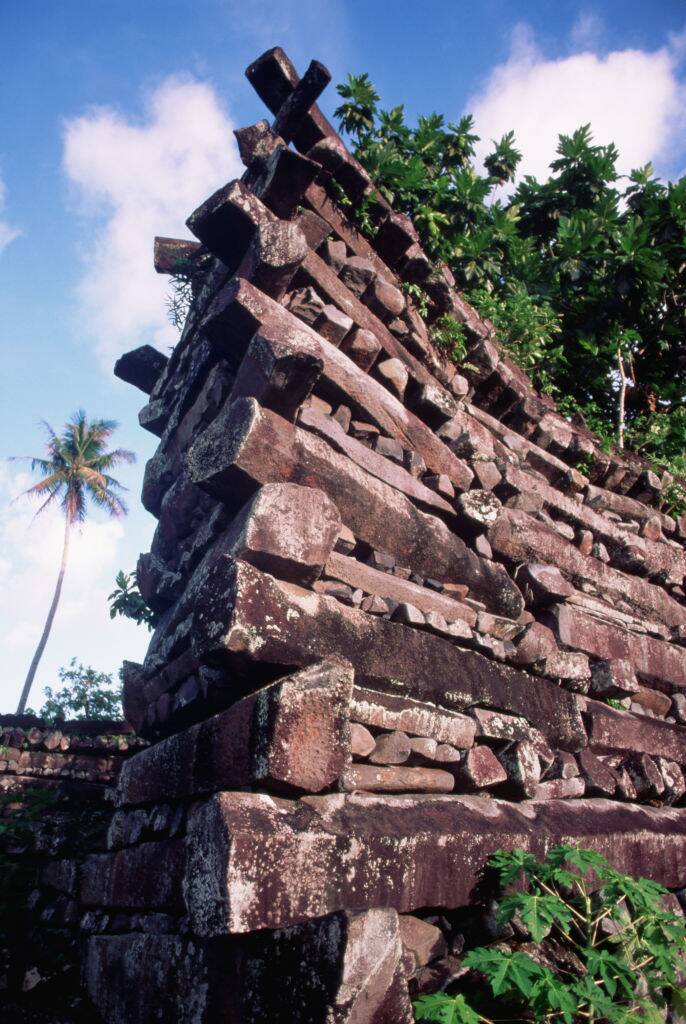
column 445, row 1009
column 538, row 913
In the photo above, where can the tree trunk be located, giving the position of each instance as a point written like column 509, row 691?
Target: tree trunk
column 48, row 622
column 623, row 381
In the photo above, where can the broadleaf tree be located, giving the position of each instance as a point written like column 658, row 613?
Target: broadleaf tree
column 583, row 274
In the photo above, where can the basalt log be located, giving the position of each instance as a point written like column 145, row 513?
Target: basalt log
column 255, row 863
column 661, row 664
column 244, row 618
column 240, row 310
column 291, row 736
column 518, row 537
column 247, row 446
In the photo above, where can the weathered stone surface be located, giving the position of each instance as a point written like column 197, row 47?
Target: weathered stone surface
column 227, row 222
column 654, row 701
column 287, row 530
column 646, row 776
column 391, row 748
column 654, row 661
column 396, row 779
column 518, row 538
column 361, row 740
column 345, row 968
column 673, row 777
column 244, row 618
column 385, row 711
column 247, row 446
column 521, row 762
column 144, row 978
column 384, row 299
column 422, row 942
column 613, row 679
column 543, row 585
column 146, row 876
column 427, row 851
column 373, row 461
column 240, row 309
column 559, row 789
column 394, row 588
column 274, row 78
column 394, row 375
column 141, row 367
column 332, row 325
column 292, row 735
column 534, row 644
column 277, row 377
column 361, row 347
column 480, row 769
column 599, row 779
column 276, row 251
column 612, row 731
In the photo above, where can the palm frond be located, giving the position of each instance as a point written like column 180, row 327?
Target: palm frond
column 74, row 468
column 109, row 459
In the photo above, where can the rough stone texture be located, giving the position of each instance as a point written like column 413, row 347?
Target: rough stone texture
column 287, row 530
column 363, row 845
column 372, row 575
column 292, row 734
column 248, row 446
column 244, row 618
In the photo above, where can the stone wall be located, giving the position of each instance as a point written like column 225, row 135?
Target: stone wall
column 56, row 790
column 398, row 628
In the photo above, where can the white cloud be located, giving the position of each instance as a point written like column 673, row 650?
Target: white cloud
column 631, row 97
column 134, row 180
column 586, row 31
column 7, row 232
column 30, row 551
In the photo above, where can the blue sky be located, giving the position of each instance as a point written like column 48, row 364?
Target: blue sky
column 115, row 122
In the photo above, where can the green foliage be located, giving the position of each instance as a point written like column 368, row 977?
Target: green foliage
column 612, row 974
column 581, row 274
column 76, row 467
column 86, row 695
column 126, row 600
column 449, row 333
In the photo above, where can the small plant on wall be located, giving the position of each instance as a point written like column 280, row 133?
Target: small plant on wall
column 596, row 946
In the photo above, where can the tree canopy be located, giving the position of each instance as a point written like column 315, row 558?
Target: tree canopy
column 85, row 695
column 583, row 274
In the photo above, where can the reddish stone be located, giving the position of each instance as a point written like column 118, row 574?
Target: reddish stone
column 559, row 789
column 599, row 779
column 230, row 890
column 245, row 618
column 287, row 530
column 391, row 748
column 519, row 539
column 480, row 769
column 396, row 779
column 229, row 460
column 395, row 588
column 613, row 679
column 388, row 712
column 653, row 660
column 290, row 735
column 523, row 767
column 145, row 876
column 422, row 942
column 362, row 742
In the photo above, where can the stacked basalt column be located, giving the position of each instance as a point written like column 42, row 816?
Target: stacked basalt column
column 391, row 612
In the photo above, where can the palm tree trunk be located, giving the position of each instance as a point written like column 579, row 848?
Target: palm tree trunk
column 48, row 622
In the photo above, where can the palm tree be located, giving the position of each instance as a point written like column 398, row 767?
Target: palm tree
column 75, row 468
